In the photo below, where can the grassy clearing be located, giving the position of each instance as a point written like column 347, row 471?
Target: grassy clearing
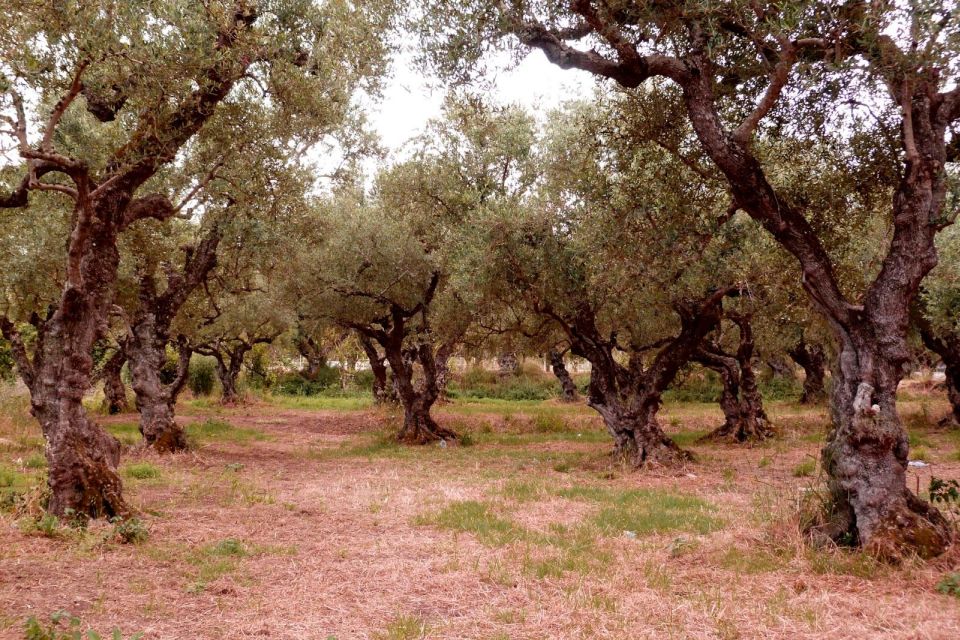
column 212, row 430
column 320, row 403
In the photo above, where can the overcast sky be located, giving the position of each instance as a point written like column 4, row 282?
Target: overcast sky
column 408, row 102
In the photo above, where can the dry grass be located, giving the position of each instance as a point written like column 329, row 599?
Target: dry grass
column 296, row 522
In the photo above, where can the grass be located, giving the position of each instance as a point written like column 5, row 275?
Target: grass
column 213, row 430
column 478, row 518
column 649, row 511
column 319, row 403
column 805, row 468
column 128, row 433
column 404, row 628
column 140, row 471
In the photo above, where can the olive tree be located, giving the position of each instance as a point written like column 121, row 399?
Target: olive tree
column 98, row 99
column 800, row 68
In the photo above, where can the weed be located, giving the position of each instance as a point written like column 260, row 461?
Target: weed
column 129, row 531
column 805, row 468
column 404, row 628
column 475, row 517
column 36, row 461
column 141, row 471
column 63, row 626
column 949, row 585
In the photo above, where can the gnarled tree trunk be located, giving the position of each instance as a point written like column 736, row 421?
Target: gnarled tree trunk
column 146, row 344
column 744, row 417
column 813, row 361
column 417, row 398
column 948, row 348
column 382, row 391
column 568, row 388
column 628, row 397
column 114, row 391
column 156, row 400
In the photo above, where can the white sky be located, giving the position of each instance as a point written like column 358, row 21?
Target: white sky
column 408, row 101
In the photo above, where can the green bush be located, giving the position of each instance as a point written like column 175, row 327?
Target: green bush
column 529, row 384
column 294, row 384
column 203, row 374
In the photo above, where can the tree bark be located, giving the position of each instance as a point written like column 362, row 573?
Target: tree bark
column 812, row 359
column 417, row 399
column 228, row 372
column 628, row 397
column 948, row 348
column 568, row 388
column 114, row 391
column 780, row 368
column 381, row 393
column 82, row 458
column 744, row 417
column 147, row 339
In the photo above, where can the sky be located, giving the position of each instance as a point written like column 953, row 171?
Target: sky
column 409, row 102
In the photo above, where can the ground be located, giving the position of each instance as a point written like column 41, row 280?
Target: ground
column 301, row 519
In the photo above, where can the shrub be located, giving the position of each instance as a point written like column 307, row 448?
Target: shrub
column 203, row 372
column 129, row 531
column 295, row 384
column 529, row 384
column 949, row 585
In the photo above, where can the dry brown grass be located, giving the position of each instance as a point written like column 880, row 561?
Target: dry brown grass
column 326, row 529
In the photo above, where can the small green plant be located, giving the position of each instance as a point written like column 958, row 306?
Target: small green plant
column 64, row 626
column 944, row 491
column 404, row 628
column 949, row 585
column 129, row 531
column 805, row 468
column 46, row 525
column 467, row 439
column 202, row 375
column 36, row 461
column 141, row 471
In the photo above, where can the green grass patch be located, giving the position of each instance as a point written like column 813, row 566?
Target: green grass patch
column 220, row 431
column 127, row 433
column 478, row 518
column 522, row 491
column 404, row 628
column 140, row 471
column 342, row 403
column 646, row 511
column 750, row 561
column 805, row 469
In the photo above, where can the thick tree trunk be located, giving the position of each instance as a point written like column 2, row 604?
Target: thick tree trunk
column 382, row 392
column 417, row 399
column 813, row 361
column 780, row 368
column 82, row 458
column 638, row 439
column 114, row 391
column 568, row 388
column 228, row 372
column 948, row 348
column 953, row 394
column 866, row 457
column 156, row 400
column 744, row 417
